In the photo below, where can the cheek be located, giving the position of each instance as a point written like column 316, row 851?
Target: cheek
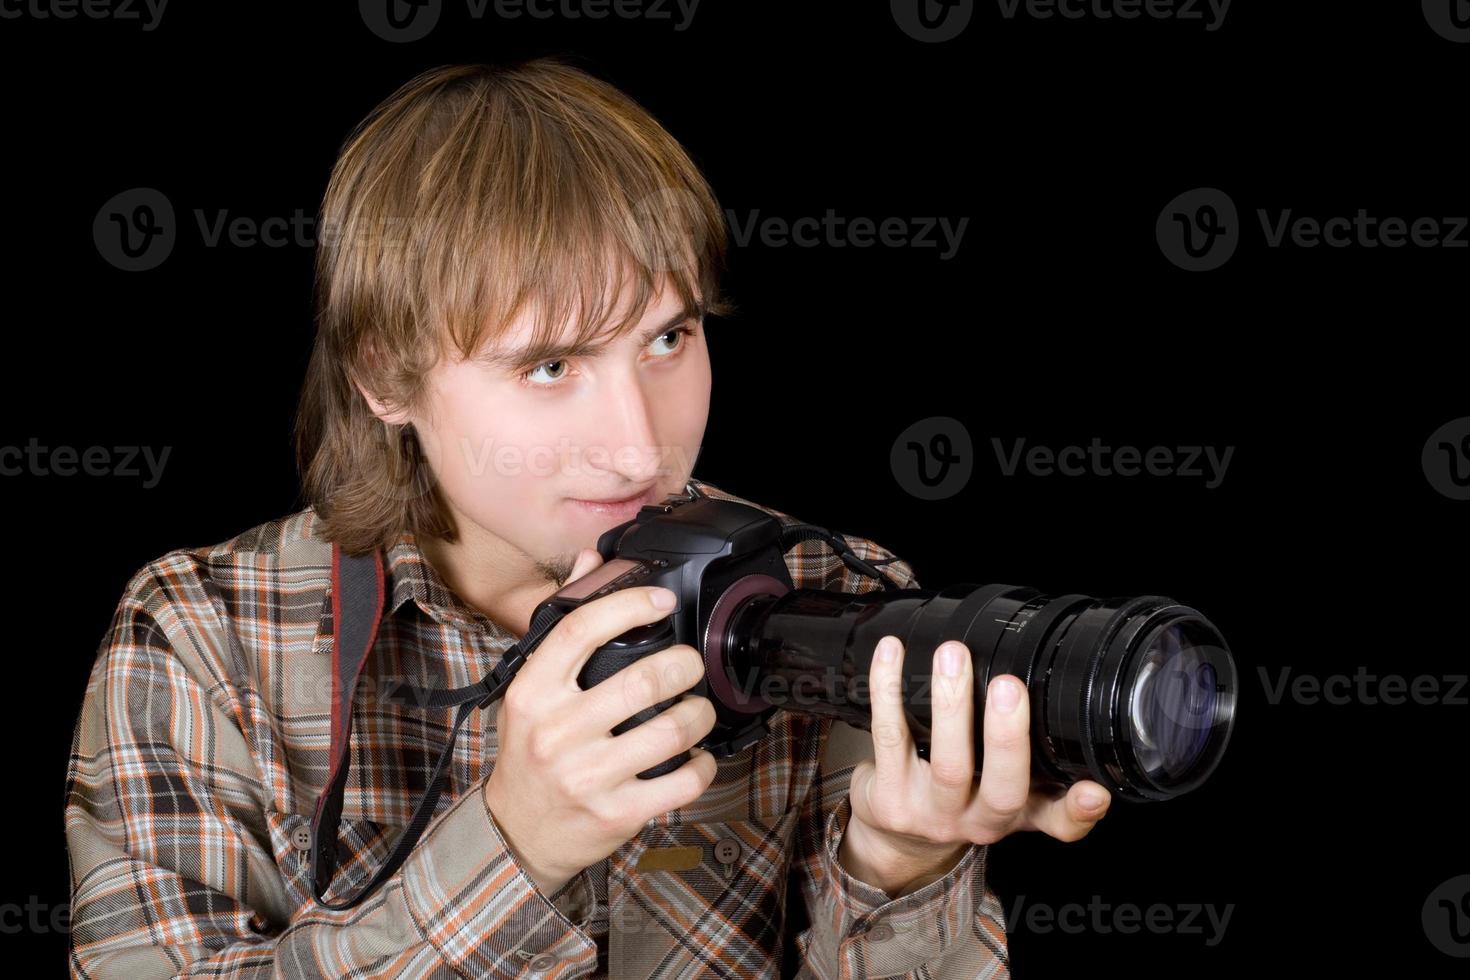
column 685, row 412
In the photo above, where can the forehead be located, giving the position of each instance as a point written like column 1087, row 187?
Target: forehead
column 524, row 330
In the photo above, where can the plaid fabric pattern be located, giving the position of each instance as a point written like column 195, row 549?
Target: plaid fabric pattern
column 203, row 743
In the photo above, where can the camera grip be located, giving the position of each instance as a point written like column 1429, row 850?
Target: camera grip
column 621, row 651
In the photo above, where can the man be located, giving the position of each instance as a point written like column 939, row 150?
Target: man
column 511, row 358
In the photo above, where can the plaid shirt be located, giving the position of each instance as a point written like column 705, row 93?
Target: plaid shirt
column 203, row 743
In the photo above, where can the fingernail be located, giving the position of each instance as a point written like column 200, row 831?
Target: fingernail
column 1006, row 695
column 887, row 649
column 949, row 660
column 663, row 599
column 1090, row 799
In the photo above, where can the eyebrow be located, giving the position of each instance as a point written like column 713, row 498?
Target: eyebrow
column 538, row 354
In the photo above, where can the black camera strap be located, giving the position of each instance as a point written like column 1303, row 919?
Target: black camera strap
column 358, row 593
column 358, row 596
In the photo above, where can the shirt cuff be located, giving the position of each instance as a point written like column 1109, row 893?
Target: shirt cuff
column 480, row 909
column 881, row 935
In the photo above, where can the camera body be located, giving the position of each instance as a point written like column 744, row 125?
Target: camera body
column 712, row 554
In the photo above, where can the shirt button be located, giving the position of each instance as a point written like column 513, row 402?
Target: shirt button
column 301, row 837
column 542, row 962
column 881, row 933
column 727, row 850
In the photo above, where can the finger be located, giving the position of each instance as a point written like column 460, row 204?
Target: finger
column 587, row 559
column 642, row 684
column 893, row 746
column 1005, row 773
column 1071, row 815
column 670, row 791
column 952, row 740
column 663, row 736
column 561, row 656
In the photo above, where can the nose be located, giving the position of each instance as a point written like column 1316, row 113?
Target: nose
column 633, row 449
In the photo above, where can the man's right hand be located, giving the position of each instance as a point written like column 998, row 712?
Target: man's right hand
column 564, row 790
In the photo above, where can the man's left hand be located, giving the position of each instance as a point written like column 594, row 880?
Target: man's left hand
column 913, row 819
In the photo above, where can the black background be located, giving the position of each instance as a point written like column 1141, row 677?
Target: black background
column 1324, row 549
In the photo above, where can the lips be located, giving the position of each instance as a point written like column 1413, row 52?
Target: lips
column 623, row 508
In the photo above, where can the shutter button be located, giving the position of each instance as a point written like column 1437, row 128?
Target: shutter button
column 880, row 933
column 542, row 962
column 301, row 837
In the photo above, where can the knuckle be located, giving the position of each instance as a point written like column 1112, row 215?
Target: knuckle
column 519, row 700
column 643, row 685
column 1004, row 803
column 574, row 630
column 606, row 818
column 686, row 666
column 1007, row 740
column 951, row 775
column 540, row 746
column 888, row 734
column 574, row 783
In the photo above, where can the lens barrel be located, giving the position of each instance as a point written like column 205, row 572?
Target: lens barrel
column 1136, row 693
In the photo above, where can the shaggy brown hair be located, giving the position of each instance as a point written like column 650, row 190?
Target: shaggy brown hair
column 471, row 194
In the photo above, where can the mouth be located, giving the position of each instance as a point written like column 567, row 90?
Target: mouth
column 624, row 508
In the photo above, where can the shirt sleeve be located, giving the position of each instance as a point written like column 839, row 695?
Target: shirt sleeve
column 174, row 871
column 952, row 927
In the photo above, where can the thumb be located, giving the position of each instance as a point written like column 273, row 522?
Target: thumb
column 587, row 559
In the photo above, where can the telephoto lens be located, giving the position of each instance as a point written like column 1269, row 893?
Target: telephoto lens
column 1135, row 693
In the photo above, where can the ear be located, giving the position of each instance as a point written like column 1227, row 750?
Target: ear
column 390, row 416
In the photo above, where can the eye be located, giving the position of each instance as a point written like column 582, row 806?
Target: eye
column 678, row 334
column 556, row 375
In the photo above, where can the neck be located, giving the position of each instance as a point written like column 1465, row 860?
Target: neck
column 496, row 580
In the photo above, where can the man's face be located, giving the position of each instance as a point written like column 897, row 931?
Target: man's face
column 516, row 445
